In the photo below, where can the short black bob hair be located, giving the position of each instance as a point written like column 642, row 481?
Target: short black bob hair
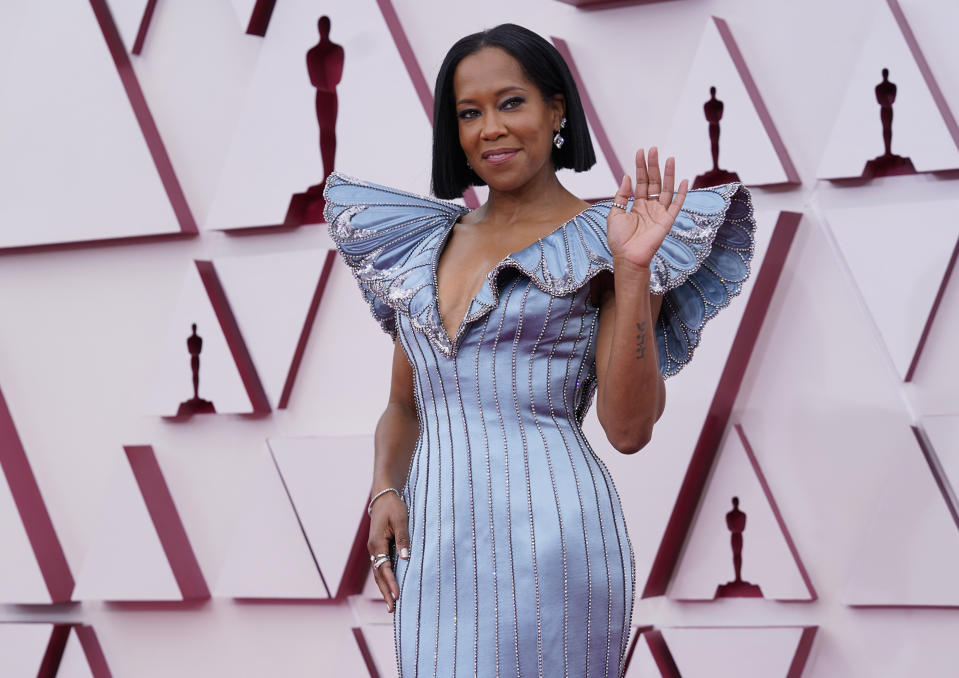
column 544, row 66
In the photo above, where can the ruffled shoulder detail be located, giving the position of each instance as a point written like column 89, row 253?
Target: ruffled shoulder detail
column 387, row 237
column 700, row 266
column 391, row 239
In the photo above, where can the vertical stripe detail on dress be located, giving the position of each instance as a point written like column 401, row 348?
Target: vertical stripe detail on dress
column 452, row 492
column 509, row 526
column 529, row 489
column 590, row 351
column 469, row 468
column 489, row 487
column 560, row 337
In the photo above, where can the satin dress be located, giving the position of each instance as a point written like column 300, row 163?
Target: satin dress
column 521, row 563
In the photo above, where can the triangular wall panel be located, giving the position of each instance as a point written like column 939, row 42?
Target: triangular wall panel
column 269, row 556
column 274, row 298
column 275, row 149
column 221, row 380
column 602, row 180
column 328, row 476
column 378, row 645
column 22, row 647
column 898, row 254
column 82, row 656
column 353, row 660
column 749, row 143
column 140, row 551
column 89, row 174
column 769, row 557
column 920, row 130
column 726, row 357
column 908, row 551
column 33, row 567
column 740, row 652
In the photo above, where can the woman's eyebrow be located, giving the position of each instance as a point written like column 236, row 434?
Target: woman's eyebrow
column 499, row 92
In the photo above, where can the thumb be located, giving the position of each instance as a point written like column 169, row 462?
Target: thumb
column 402, row 537
column 625, row 188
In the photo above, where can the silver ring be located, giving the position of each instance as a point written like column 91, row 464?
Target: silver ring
column 620, row 206
column 380, row 561
column 378, row 555
column 654, row 195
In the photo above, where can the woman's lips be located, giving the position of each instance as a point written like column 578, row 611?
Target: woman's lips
column 499, row 156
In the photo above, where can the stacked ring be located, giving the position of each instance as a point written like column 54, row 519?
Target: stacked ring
column 620, row 206
column 378, row 560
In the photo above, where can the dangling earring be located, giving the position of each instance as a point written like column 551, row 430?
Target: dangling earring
column 558, row 139
column 468, row 165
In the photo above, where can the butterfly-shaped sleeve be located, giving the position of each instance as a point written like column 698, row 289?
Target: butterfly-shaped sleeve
column 384, row 236
column 701, row 265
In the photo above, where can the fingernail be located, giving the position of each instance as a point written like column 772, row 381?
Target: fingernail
column 388, row 608
column 405, row 553
column 393, row 594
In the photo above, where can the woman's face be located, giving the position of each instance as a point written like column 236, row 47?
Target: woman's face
column 505, row 126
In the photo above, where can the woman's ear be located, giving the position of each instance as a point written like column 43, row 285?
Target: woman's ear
column 558, row 105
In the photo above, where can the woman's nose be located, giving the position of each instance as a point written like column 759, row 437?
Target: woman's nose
column 493, row 127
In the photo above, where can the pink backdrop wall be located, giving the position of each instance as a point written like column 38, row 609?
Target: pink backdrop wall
column 142, row 192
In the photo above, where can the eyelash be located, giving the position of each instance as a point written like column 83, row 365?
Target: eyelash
column 462, row 115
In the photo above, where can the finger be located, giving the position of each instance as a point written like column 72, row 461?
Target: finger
column 642, row 179
column 392, row 590
column 401, row 531
column 376, row 545
column 655, row 181
column 383, row 586
column 669, row 177
column 677, row 203
column 622, row 193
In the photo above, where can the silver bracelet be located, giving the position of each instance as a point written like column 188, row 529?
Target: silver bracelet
column 369, row 509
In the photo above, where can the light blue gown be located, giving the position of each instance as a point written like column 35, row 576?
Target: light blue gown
column 521, row 563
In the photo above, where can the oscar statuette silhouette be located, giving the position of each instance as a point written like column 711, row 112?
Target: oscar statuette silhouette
column 737, row 588
column 324, row 66
column 196, row 404
column 887, row 164
column 713, row 110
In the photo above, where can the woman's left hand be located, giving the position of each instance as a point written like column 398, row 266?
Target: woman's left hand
column 634, row 235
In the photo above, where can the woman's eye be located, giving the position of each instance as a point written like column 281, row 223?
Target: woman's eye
column 513, row 102
column 467, row 113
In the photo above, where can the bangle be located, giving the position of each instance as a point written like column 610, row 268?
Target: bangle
column 369, row 509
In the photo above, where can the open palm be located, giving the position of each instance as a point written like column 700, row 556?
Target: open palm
column 635, row 234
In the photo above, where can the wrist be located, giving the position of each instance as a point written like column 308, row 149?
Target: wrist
column 380, row 494
column 380, row 487
column 630, row 269
column 629, row 272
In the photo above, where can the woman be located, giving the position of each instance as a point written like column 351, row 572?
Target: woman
column 513, row 556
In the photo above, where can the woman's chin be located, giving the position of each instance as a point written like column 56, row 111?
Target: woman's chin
column 505, row 182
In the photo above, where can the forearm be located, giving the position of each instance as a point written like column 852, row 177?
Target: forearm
column 394, row 442
column 632, row 395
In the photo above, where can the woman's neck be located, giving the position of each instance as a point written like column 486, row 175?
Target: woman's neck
column 543, row 199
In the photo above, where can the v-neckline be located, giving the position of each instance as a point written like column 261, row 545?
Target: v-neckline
column 440, row 247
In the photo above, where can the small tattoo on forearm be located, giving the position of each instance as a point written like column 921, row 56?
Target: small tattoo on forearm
column 641, row 340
